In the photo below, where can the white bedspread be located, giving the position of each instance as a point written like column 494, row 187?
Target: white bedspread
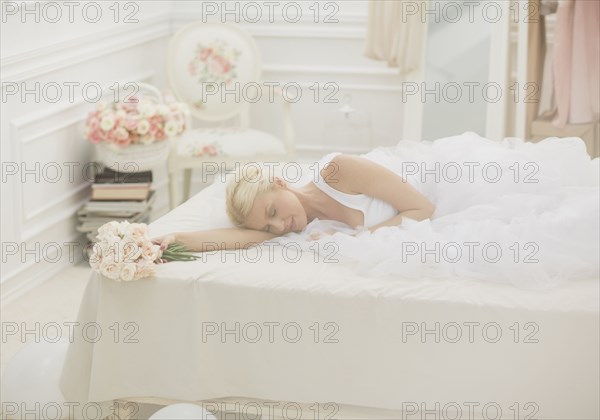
column 272, row 328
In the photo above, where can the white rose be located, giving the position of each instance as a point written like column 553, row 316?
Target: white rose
column 163, row 109
column 171, row 128
column 147, row 109
column 110, row 269
column 139, row 230
column 110, row 228
column 104, row 243
column 123, row 228
column 127, row 272
column 144, row 269
column 143, row 127
column 112, row 250
column 150, row 251
column 131, row 251
column 96, row 257
column 108, row 122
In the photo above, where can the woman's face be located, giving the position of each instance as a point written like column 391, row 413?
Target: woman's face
column 277, row 211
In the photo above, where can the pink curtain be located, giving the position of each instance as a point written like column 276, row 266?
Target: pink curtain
column 576, row 62
column 396, row 33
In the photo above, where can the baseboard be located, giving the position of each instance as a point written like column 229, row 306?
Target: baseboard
column 36, row 273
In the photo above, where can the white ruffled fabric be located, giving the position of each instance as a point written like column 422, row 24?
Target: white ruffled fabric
column 547, row 232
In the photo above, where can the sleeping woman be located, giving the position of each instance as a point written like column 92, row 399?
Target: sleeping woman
column 350, row 189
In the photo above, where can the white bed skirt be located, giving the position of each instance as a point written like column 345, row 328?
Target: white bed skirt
column 179, row 357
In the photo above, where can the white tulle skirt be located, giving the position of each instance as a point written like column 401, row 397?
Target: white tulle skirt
column 510, row 211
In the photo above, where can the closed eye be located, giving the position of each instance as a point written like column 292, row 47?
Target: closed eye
column 268, row 228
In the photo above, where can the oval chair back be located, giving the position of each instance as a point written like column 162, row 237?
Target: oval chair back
column 207, row 62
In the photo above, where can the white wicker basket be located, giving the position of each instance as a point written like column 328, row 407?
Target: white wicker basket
column 136, row 157
column 133, row 158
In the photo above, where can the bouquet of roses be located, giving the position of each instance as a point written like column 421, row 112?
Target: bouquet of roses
column 124, row 252
column 137, row 121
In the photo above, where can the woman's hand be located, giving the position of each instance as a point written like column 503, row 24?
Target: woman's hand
column 164, row 242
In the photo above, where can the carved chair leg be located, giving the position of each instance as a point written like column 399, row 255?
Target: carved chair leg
column 187, row 183
column 172, row 190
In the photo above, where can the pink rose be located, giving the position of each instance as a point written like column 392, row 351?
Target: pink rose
column 210, row 150
column 97, row 136
column 123, row 143
column 121, row 134
column 111, row 137
column 205, row 53
column 225, row 65
column 131, row 124
column 94, row 123
column 213, row 65
column 219, row 65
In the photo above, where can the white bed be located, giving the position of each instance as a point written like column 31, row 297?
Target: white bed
column 372, row 371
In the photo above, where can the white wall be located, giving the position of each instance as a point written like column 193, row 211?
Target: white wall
column 39, row 214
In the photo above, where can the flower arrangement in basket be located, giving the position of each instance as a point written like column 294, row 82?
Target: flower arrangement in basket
column 136, row 129
column 124, row 252
column 141, row 121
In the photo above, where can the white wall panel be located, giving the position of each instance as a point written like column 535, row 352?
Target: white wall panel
column 39, row 214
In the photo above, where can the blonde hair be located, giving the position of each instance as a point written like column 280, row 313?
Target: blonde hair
column 243, row 188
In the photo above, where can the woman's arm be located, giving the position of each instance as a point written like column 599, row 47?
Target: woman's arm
column 362, row 176
column 215, row 239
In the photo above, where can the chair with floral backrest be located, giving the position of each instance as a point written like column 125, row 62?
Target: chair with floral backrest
column 206, row 64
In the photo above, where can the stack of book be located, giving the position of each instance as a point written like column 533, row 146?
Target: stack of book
column 116, row 196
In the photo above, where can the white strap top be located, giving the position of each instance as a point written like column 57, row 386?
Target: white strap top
column 374, row 209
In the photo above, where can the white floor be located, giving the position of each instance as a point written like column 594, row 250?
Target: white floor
column 55, row 301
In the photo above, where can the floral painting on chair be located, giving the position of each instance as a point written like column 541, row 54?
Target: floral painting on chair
column 214, row 62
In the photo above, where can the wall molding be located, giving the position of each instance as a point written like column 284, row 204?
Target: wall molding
column 265, row 31
column 17, row 126
column 358, row 71
column 38, row 62
column 25, row 278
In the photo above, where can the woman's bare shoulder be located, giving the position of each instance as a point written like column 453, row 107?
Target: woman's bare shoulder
column 339, row 172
